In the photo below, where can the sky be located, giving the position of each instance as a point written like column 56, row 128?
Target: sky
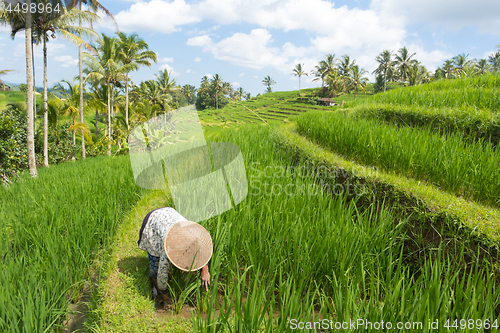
column 243, row 41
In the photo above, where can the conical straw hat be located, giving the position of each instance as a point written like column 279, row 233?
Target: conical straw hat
column 188, row 245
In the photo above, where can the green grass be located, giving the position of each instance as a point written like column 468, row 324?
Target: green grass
column 122, row 303
column 480, row 92
column 473, row 123
column 274, row 107
column 14, row 97
column 50, row 237
column 464, row 169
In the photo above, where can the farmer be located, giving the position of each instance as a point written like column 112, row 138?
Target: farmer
column 170, row 239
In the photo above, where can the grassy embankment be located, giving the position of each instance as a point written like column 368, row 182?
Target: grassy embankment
column 277, row 107
column 283, row 255
column 292, row 250
column 52, row 229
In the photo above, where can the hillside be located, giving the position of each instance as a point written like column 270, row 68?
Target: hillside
column 276, row 107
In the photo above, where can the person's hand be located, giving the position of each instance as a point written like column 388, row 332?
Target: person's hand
column 205, row 277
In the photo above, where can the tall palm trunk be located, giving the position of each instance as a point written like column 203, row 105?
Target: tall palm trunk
column 109, row 120
column 385, row 78
column 126, row 99
column 81, row 85
column 29, row 98
column 96, row 118
column 45, row 107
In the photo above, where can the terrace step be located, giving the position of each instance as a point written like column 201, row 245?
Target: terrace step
column 479, row 220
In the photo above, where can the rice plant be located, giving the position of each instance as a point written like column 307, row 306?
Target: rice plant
column 481, row 92
column 472, row 123
column 466, row 169
column 52, row 227
column 283, row 258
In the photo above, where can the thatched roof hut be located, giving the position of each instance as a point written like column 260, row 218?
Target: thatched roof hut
column 326, row 101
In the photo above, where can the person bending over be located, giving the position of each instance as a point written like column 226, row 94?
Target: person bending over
column 171, row 239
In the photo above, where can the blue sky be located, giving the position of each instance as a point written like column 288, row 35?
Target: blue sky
column 243, row 41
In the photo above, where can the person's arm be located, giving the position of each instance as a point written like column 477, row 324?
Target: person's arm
column 205, row 277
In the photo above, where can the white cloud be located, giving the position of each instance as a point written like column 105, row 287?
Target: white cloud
column 430, row 59
column 68, row 61
column 242, row 74
column 249, row 50
column 169, row 69
column 210, row 76
column 188, row 71
column 236, row 84
column 166, row 60
column 451, row 14
column 197, row 59
column 155, row 15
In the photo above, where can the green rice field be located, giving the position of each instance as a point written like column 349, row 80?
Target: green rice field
column 382, row 211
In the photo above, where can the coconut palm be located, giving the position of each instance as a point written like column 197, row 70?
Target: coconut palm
column 386, row 64
column 336, row 83
column 404, row 61
column 345, row 65
column 166, row 83
column 29, row 94
column 268, row 81
column 355, row 79
column 461, row 62
column 94, row 6
column 107, row 68
column 448, row 69
column 298, row 71
column 50, row 24
column 70, row 107
column 240, row 92
column 135, row 51
column 188, row 91
column 216, row 86
column 494, row 60
column 482, row 66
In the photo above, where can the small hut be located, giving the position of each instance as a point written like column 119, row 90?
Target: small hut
column 326, row 102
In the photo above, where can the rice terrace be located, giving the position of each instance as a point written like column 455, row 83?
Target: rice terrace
column 371, row 206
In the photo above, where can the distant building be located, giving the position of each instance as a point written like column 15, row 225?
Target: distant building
column 326, row 102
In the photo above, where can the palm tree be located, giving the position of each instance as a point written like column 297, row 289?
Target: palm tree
column 52, row 23
column 107, row 68
column 268, row 81
column 298, row 71
column 188, row 91
column 248, row 96
column 448, row 69
column 461, row 62
column 71, row 105
column 336, row 83
column 385, row 65
column 135, row 51
column 404, row 61
column 150, row 90
column 240, row 93
column 482, row 66
column 355, row 79
column 345, row 65
column 494, row 60
column 94, row 6
column 29, row 94
column 216, row 86
column 14, row 20
column 5, row 72
column 165, row 82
